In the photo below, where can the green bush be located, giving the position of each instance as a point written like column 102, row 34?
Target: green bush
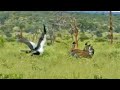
column 59, row 35
column 66, row 37
column 83, row 37
column 11, row 76
column 8, row 33
column 117, row 44
column 117, row 30
column 98, row 34
column 10, row 39
column 2, row 41
column 100, row 39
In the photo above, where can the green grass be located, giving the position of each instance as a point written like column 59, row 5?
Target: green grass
column 56, row 63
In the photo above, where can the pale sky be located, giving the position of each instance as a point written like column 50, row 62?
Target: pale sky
column 115, row 11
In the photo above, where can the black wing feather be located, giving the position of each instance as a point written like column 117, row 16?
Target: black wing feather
column 24, row 40
column 41, row 37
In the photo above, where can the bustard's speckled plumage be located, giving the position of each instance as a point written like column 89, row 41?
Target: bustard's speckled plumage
column 87, row 52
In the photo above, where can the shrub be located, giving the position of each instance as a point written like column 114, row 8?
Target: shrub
column 2, row 41
column 100, row 39
column 117, row 30
column 83, row 37
column 66, row 37
column 117, row 44
column 98, row 77
column 10, row 39
column 8, row 34
column 98, row 34
column 11, row 76
column 59, row 35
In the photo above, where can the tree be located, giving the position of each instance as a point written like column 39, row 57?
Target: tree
column 111, row 28
column 75, row 30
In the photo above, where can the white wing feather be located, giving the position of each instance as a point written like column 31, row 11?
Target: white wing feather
column 33, row 44
column 41, row 50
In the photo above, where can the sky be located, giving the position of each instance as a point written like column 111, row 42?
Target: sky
column 94, row 11
column 115, row 11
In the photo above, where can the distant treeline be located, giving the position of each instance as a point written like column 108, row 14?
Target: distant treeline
column 32, row 21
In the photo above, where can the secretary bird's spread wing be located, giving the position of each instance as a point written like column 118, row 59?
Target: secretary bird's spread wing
column 41, row 37
column 30, row 44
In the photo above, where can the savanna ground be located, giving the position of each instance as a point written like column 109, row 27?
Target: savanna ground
column 56, row 63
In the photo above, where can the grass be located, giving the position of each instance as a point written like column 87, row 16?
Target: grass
column 56, row 63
